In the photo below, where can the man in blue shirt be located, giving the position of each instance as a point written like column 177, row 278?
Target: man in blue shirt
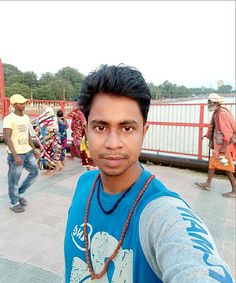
column 123, row 224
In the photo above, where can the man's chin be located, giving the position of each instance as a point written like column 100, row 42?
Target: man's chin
column 111, row 172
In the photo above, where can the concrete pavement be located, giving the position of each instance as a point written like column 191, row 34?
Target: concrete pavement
column 31, row 243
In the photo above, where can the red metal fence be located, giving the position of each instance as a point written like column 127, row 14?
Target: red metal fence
column 175, row 129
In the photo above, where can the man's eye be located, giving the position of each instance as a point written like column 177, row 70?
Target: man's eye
column 100, row 128
column 128, row 129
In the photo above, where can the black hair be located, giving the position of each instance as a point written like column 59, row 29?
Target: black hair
column 59, row 113
column 118, row 81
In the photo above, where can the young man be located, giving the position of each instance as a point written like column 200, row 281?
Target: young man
column 21, row 152
column 222, row 135
column 123, row 224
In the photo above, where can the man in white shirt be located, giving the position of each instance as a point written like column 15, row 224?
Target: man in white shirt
column 21, row 152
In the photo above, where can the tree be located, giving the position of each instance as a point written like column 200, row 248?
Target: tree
column 154, row 91
column 10, row 70
column 30, row 79
column 18, row 88
column 225, row 89
column 74, row 77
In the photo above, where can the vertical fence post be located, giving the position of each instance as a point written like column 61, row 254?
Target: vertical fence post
column 62, row 104
column 2, row 90
column 200, row 133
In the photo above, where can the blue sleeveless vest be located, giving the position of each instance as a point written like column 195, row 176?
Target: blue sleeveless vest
column 104, row 232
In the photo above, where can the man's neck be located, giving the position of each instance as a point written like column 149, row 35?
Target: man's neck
column 218, row 108
column 19, row 113
column 117, row 184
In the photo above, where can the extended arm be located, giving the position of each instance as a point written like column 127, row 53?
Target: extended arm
column 178, row 246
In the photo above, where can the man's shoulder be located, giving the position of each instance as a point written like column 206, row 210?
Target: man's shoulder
column 88, row 176
column 7, row 120
column 13, row 116
column 224, row 111
column 86, row 181
column 9, row 116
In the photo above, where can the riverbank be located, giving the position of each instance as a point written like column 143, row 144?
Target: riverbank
column 190, row 98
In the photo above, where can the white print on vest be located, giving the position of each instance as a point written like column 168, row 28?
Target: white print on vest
column 102, row 246
column 78, row 235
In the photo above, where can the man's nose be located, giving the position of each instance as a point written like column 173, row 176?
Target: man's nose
column 113, row 140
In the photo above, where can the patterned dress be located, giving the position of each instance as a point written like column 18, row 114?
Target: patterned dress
column 48, row 137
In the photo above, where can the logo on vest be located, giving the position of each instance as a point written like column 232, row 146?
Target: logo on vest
column 77, row 236
column 102, row 246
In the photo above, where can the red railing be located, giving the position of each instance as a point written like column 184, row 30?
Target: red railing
column 175, row 129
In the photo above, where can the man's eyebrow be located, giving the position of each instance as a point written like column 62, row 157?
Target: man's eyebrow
column 100, row 122
column 129, row 122
column 125, row 122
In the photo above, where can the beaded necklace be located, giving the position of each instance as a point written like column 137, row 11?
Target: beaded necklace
column 111, row 257
column 116, row 203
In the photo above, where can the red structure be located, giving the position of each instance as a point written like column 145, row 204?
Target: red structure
column 4, row 101
column 175, row 131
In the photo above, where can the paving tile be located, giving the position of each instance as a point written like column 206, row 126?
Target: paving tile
column 31, row 243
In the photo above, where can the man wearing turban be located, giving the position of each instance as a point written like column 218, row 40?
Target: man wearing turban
column 222, row 136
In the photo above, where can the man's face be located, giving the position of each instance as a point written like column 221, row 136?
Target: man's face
column 19, row 106
column 211, row 106
column 115, row 132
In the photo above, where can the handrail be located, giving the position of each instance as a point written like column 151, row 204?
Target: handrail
column 174, row 129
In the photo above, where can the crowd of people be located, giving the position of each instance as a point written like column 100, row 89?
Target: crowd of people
column 134, row 228
column 50, row 150
column 51, row 134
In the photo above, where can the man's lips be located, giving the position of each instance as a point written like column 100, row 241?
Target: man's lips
column 112, row 161
column 113, row 157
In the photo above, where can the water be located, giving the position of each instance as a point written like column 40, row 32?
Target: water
column 179, row 138
column 176, row 138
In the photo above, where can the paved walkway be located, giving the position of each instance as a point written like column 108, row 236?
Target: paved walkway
column 31, row 243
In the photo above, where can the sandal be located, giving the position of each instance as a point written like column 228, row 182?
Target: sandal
column 202, row 186
column 229, row 195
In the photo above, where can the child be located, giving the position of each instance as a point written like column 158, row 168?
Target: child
column 63, row 126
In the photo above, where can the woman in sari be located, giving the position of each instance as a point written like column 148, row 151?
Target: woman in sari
column 79, row 144
column 48, row 137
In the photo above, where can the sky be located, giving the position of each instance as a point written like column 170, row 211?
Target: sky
column 190, row 43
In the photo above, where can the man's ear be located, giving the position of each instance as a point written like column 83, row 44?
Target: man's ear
column 145, row 129
column 86, row 129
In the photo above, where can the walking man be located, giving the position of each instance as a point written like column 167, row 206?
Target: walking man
column 222, row 139
column 123, row 224
column 21, row 152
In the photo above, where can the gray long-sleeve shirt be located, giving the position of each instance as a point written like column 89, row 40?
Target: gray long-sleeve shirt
column 178, row 246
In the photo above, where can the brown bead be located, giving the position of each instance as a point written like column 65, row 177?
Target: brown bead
column 126, row 225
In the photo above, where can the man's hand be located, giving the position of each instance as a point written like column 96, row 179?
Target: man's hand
column 36, row 153
column 224, row 148
column 18, row 160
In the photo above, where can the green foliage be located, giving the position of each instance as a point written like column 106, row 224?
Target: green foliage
column 30, row 79
column 66, row 85
column 18, row 88
column 73, row 77
column 225, row 89
column 202, row 90
column 10, row 70
column 168, row 90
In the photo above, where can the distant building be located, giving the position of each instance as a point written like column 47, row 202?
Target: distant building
column 220, row 83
